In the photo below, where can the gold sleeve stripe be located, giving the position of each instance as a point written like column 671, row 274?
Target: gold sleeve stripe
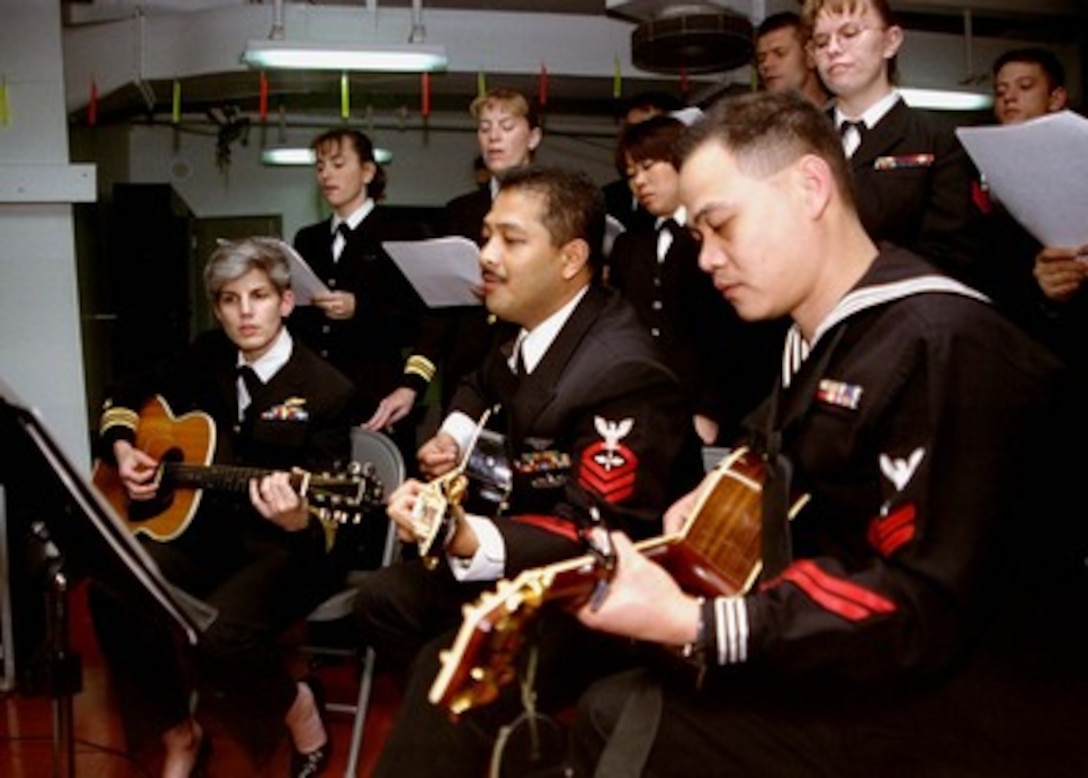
column 420, row 366
column 119, row 417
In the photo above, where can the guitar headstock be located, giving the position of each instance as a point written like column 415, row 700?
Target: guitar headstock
column 482, row 658
column 436, row 511
column 343, row 497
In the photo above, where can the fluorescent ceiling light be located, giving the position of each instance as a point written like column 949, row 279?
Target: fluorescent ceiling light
column 407, row 58
column 947, row 100
column 303, row 155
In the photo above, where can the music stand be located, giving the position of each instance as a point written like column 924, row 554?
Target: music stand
column 77, row 535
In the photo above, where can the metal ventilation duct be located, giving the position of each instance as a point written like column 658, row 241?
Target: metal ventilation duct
column 693, row 43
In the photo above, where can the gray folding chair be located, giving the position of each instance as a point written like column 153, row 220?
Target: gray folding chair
column 712, row 455
column 379, row 450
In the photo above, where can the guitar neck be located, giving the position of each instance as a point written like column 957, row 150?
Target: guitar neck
column 223, row 478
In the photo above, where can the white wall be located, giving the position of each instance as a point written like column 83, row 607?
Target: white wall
column 427, row 169
column 40, row 350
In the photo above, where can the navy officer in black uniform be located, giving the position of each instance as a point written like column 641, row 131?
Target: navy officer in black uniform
column 258, row 558
column 372, row 315
column 592, row 420
column 914, row 184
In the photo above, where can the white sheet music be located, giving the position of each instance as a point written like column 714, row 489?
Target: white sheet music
column 304, row 281
column 444, row 271
column 1039, row 171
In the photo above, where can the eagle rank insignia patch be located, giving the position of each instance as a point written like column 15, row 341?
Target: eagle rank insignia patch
column 608, row 467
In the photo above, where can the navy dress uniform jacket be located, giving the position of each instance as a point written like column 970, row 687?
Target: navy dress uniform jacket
column 913, row 186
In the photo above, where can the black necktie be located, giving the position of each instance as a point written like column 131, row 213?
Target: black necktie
column 342, row 231
column 252, row 382
column 858, row 125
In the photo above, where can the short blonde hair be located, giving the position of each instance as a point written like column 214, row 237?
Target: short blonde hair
column 513, row 101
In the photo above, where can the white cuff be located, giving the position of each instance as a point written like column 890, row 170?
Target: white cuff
column 489, row 561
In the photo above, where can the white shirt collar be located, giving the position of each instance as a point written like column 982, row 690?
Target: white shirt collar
column 680, row 216
column 272, row 360
column 873, row 114
column 355, row 218
column 493, row 186
column 534, row 344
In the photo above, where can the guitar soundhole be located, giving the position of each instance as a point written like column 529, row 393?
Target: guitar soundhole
column 145, row 510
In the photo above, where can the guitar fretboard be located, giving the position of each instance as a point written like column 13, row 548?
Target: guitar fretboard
column 228, row 478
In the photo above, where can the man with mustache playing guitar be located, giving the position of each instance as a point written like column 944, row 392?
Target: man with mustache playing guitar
column 592, row 420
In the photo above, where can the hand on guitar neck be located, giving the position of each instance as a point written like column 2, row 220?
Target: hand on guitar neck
column 273, row 495
column 156, row 482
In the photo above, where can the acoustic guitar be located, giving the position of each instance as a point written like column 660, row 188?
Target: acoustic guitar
column 718, row 552
column 184, row 446
column 484, row 466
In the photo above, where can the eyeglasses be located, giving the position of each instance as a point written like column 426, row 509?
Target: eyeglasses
column 847, row 36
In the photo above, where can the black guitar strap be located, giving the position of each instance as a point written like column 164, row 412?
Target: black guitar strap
column 777, row 549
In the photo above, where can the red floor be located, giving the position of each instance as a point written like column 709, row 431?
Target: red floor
column 26, row 740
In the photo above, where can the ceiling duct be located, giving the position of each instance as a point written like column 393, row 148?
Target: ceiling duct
column 692, row 40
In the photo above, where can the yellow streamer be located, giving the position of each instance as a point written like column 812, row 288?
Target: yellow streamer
column 5, row 116
column 345, row 96
column 177, row 102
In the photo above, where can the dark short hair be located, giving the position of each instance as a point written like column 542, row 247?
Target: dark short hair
column 653, row 139
column 334, row 139
column 766, row 131
column 1044, row 58
column 781, row 21
column 574, row 205
column 657, row 100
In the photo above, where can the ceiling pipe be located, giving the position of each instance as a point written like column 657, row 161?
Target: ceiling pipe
column 278, row 31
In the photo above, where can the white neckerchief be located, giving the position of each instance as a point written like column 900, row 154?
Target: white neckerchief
column 266, row 366
column 355, row 218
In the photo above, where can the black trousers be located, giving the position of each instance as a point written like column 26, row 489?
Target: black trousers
column 565, row 659
column 751, row 730
column 260, row 581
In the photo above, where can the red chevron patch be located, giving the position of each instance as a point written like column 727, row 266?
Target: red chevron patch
column 888, row 533
column 609, row 471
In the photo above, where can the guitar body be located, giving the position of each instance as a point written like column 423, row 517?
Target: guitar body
column 189, row 438
column 717, row 553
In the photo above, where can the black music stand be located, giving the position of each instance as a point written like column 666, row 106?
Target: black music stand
column 71, row 532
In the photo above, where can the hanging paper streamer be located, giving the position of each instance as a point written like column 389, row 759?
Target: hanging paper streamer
column 425, row 94
column 617, row 79
column 5, row 117
column 262, row 106
column 542, row 87
column 345, row 96
column 481, row 84
column 92, row 104
column 177, row 102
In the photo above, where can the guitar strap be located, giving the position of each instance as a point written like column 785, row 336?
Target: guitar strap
column 777, row 549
